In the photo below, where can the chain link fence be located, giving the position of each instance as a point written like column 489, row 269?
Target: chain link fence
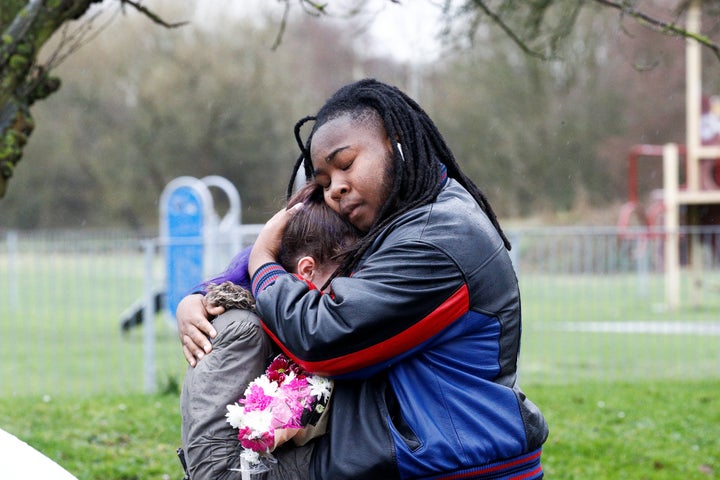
column 594, row 309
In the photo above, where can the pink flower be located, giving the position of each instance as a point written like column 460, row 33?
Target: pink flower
column 261, row 442
column 255, row 398
column 280, row 368
column 282, row 413
column 296, row 388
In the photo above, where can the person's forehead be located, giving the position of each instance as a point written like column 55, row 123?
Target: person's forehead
column 345, row 130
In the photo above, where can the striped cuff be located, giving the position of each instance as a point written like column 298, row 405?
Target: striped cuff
column 266, row 276
column 524, row 467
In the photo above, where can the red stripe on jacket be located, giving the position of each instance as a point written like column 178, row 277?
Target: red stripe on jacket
column 449, row 311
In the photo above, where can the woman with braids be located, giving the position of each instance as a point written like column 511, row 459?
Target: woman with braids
column 422, row 330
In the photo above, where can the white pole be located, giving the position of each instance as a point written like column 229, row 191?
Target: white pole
column 672, row 243
column 13, row 291
column 693, row 86
column 149, row 317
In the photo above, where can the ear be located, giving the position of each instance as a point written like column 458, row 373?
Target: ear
column 306, row 268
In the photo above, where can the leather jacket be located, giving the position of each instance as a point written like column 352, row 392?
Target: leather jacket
column 422, row 340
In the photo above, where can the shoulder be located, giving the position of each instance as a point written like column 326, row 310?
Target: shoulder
column 235, row 324
column 453, row 220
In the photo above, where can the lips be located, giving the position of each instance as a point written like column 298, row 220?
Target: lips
column 347, row 211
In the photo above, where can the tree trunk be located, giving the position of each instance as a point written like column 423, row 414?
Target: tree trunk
column 26, row 26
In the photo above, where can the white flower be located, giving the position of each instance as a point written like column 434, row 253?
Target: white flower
column 250, row 456
column 258, row 421
column 320, row 387
column 269, row 388
column 235, row 415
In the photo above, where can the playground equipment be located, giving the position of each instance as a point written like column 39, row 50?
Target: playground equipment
column 644, row 218
column 197, row 242
column 696, row 201
column 649, row 213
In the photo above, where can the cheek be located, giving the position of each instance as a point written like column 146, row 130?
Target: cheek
column 380, row 186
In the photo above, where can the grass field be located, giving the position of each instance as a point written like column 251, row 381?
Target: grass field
column 61, row 334
column 660, row 430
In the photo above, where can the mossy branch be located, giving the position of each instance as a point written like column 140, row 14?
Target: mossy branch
column 26, row 26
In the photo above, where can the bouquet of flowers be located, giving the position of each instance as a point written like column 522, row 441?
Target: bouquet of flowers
column 275, row 407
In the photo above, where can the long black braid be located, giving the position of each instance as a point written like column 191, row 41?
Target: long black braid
column 417, row 155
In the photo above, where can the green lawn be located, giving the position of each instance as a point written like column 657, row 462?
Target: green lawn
column 62, row 335
column 649, row 430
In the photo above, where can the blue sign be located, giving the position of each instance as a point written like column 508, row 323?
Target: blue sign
column 184, row 255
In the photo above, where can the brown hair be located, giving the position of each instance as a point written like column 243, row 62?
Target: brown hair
column 315, row 231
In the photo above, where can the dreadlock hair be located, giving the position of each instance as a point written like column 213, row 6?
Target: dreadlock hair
column 418, row 151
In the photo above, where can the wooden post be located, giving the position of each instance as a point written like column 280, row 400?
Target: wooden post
column 672, row 242
column 693, row 79
column 693, row 92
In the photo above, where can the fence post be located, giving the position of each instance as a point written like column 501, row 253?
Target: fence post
column 149, row 317
column 643, row 264
column 12, row 247
column 514, row 253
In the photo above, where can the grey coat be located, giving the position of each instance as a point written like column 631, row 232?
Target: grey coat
column 240, row 354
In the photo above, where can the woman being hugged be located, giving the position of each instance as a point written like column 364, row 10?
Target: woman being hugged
column 312, row 243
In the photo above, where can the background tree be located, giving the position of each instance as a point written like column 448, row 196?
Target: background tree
column 214, row 97
column 527, row 129
column 539, row 28
column 548, row 134
column 159, row 106
column 26, row 27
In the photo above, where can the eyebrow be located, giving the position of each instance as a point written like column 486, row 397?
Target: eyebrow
column 331, row 156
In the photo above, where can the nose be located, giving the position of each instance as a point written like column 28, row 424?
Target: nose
column 338, row 190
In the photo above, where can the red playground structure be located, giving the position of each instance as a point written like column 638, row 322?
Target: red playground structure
column 645, row 217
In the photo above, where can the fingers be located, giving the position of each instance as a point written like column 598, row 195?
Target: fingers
column 195, row 346
column 189, row 356
column 197, row 338
column 193, row 352
column 210, row 311
column 194, row 328
column 267, row 244
column 295, row 208
column 193, row 317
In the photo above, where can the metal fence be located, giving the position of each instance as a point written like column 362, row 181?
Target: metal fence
column 594, row 309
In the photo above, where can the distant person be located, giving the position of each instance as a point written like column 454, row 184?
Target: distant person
column 241, row 351
column 710, row 135
column 422, row 330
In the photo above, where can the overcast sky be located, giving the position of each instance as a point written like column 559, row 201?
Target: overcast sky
column 411, row 28
column 406, row 31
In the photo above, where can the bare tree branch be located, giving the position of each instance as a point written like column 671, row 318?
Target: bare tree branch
column 281, row 28
column 525, row 23
column 508, row 31
column 151, row 15
column 667, row 28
